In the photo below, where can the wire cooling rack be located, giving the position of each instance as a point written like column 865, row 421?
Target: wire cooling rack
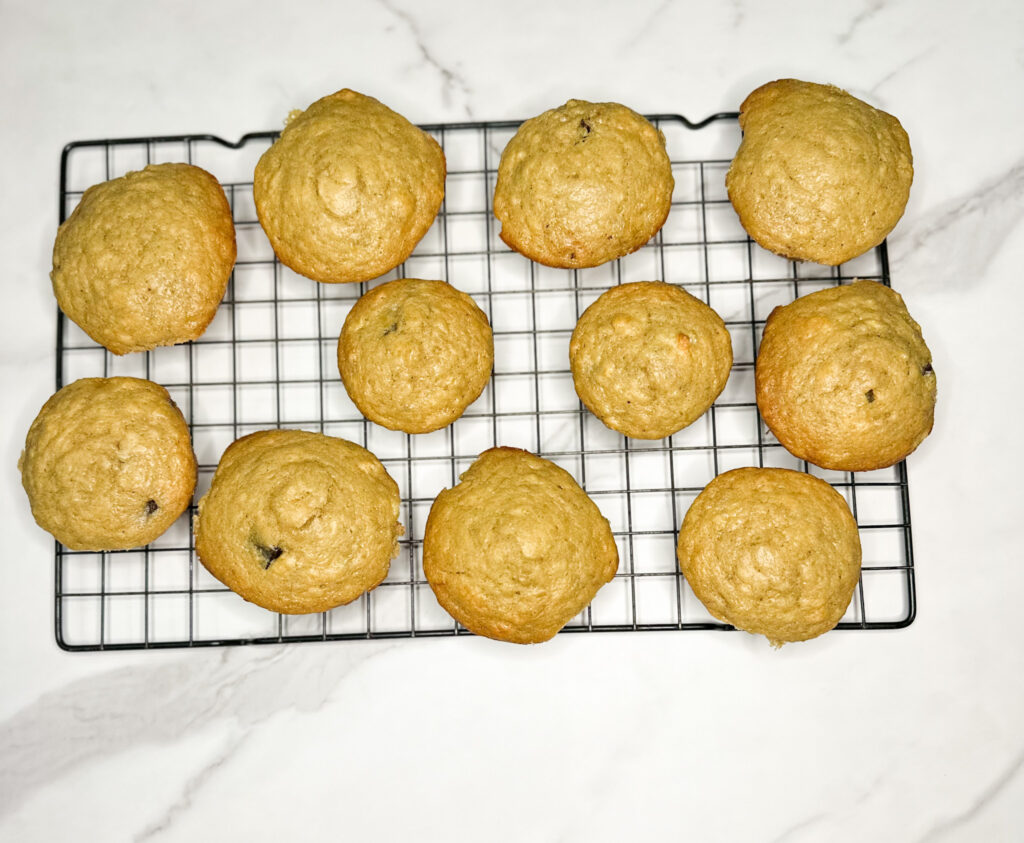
column 269, row 360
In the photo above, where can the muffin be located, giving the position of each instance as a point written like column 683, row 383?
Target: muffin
column 820, row 175
column 844, row 379
column 348, row 189
column 414, row 354
column 516, row 549
column 771, row 551
column 648, row 359
column 298, row 522
column 144, row 259
column 583, row 184
column 108, row 464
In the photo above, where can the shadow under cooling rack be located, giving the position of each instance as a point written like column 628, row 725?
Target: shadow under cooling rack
column 269, row 360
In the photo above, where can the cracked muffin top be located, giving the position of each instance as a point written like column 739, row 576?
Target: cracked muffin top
column 144, row 259
column 516, row 549
column 108, row 464
column 844, row 378
column 583, row 184
column 771, row 551
column 414, row 354
column 348, row 189
column 648, row 358
column 820, row 175
column 298, row 522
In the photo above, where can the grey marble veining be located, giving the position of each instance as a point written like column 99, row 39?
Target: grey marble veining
column 869, row 11
column 958, row 826
column 151, row 704
column 454, row 87
column 192, row 786
column 959, row 238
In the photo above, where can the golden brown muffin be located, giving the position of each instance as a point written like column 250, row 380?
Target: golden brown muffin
column 648, row 359
column 108, row 464
column 583, row 184
column 771, row 551
column 414, row 354
column 844, row 379
column 144, row 260
column 298, row 522
column 517, row 549
column 348, row 189
column 820, row 175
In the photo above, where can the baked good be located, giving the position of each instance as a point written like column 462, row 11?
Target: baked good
column 414, row 354
column 844, row 379
column 648, row 359
column 516, row 549
column 820, row 175
column 771, row 551
column 108, row 464
column 583, row 184
column 298, row 522
column 348, row 189
column 144, row 259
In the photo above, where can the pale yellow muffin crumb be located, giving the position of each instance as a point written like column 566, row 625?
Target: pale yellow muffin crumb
column 771, row 551
column 583, row 184
column 108, row 464
column 414, row 354
column 844, row 378
column 820, row 175
column 648, row 358
column 348, row 189
column 298, row 522
column 145, row 259
column 516, row 549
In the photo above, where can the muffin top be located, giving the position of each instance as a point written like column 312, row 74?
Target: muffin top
column 348, row 189
column 771, row 551
column 648, row 358
column 516, row 549
column 108, row 464
column 414, row 354
column 583, row 184
column 144, row 259
column 844, row 378
column 298, row 522
column 820, row 175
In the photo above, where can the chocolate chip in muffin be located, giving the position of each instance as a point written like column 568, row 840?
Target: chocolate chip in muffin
column 268, row 552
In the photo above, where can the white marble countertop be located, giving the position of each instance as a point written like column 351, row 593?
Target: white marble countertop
column 913, row 734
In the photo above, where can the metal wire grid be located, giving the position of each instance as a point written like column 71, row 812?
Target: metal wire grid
column 269, row 360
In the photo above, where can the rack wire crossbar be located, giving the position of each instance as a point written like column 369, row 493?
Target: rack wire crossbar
column 269, row 360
